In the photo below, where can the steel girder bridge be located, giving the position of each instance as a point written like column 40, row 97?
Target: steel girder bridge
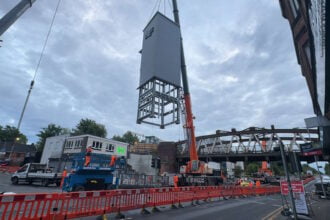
column 251, row 144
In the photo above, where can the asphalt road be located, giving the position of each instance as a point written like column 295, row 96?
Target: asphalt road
column 6, row 186
column 247, row 208
column 252, row 208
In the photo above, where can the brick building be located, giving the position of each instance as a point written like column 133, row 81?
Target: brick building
column 309, row 23
column 17, row 154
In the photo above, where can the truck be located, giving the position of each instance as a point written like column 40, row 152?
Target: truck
column 36, row 173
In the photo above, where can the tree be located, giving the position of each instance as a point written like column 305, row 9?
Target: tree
column 12, row 134
column 50, row 131
column 88, row 126
column 327, row 169
column 277, row 169
column 237, row 171
column 251, row 168
column 128, row 137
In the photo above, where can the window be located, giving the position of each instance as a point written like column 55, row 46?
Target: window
column 97, row 145
column 110, row 147
column 77, row 144
column 23, row 169
column 294, row 4
column 68, row 144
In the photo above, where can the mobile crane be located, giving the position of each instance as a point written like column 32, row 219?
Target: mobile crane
column 194, row 166
column 10, row 18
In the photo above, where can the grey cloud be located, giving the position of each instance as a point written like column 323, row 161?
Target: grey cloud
column 91, row 66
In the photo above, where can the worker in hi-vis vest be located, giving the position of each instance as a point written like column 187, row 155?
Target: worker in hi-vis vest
column 88, row 156
column 113, row 160
column 175, row 181
column 64, row 174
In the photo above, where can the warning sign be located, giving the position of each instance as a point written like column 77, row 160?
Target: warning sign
column 298, row 195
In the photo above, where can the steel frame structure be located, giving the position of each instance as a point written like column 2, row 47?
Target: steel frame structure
column 250, row 140
column 159, row 103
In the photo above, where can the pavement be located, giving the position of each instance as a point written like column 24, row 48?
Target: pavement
column 6, row 186
column 318, row 209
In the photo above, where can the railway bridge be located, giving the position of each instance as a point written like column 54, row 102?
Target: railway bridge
column 251, row 144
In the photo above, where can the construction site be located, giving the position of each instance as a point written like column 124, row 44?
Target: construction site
column 182, row 169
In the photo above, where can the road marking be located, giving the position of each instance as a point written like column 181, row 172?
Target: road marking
column 262, row 203
column 273, row 214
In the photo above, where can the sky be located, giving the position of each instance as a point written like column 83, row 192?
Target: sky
column 240, row 57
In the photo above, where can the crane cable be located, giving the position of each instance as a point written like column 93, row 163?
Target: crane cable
column 38, row 65
column 47, row 37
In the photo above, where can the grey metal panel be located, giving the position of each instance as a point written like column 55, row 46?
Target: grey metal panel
column 161, row 51
column 319, row 121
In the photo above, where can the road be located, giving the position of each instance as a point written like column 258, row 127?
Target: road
column 251, row 208
column 247, row 208
column 6, row 186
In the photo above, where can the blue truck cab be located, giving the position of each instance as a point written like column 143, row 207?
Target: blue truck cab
column 97, row 176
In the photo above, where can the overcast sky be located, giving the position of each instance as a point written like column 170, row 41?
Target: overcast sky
column 242, row 67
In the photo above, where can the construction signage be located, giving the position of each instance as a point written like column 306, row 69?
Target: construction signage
column 298, row 194
column 310, row 149
column 121, row 150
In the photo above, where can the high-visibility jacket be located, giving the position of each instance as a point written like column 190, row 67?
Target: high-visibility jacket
column 113, row 160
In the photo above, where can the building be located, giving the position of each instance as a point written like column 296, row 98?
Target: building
column 17, row 154
column 53, row 148
column 60, row 150
column 79, row 144
column 142, row 163
column 229, row 167
column 309, row 23
column 167, row 154
column 148, row 145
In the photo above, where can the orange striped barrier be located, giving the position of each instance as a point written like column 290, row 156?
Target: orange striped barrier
column 78, row 204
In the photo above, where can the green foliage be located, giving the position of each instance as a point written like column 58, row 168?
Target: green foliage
column 50, row 131
column 252, row 167
column 11, row 134
column 327, row 169
column 88, row 126
column 128, row 137
column 277, row 169
column 238, row 171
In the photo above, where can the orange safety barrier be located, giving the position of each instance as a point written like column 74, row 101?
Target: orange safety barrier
column 77, row 204
column 305, row 181
column 9, row 169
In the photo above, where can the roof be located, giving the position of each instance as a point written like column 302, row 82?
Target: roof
column 21, row 148
column 158, row 14
column 96, row 137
